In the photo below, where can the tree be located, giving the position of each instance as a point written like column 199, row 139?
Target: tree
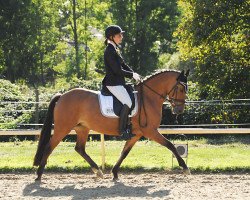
column 13, row 36
column 37, row 35
column 77, row 21
column 149, row 26
column 27, row 40
column 215, row 36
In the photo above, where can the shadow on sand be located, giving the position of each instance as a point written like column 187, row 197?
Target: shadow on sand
column 36, row 189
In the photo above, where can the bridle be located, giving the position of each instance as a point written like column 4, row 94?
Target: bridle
column 172, row 100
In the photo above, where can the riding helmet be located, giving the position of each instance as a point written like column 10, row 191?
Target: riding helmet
column 113, row 30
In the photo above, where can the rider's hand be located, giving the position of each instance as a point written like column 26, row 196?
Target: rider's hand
column 136, row 76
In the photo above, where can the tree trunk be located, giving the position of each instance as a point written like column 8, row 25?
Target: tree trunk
column 42, row 69
column 86, row 43
column 137, row 35
column 76, row 40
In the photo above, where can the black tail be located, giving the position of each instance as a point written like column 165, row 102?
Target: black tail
column 46, row 131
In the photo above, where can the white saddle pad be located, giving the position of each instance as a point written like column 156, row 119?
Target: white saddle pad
column 106, row 106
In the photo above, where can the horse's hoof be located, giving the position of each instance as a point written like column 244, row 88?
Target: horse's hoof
column 115, row 179
column 38, row 179
column 186, row 171
column 99, row 174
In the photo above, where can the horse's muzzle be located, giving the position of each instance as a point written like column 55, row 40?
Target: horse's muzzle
column 178, row 109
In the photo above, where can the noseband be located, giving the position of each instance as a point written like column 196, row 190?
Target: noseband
column 173, row 100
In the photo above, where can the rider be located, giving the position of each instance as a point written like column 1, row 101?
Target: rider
column 116, row 71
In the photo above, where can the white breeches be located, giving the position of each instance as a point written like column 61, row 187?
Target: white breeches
column 121, row 94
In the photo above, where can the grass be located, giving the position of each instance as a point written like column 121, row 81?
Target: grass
column 203, row 156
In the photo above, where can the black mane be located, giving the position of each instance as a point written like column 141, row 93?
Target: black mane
column 157, row 72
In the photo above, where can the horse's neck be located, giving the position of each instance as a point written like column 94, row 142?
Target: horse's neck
column 160, row 84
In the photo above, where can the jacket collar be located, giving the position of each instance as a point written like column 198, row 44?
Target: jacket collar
column 113, row 44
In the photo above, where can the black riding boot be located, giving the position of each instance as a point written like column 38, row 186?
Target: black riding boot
column 125, row 131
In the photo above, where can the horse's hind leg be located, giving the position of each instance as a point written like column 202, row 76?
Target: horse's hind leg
column 159, row 138
column 82, row 137
column 128, row 146
column 54, row 141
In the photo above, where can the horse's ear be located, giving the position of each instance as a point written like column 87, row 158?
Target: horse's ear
column 181, row 75
column 187, row 73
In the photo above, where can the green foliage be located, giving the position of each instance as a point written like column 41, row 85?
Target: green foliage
column 80, row 24
column 216, row 113
column 214, row 35
column 63, row 86
column 14, row 112
column 208, row 112
column 43, row 40
column 28, row 36
column 2, row 62
column 10, row 114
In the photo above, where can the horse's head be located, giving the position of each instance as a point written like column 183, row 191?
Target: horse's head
column 178, row 94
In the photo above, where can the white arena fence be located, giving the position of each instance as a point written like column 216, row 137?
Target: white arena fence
column 12, row 110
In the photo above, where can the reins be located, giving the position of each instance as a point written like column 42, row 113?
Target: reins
column 153, row 91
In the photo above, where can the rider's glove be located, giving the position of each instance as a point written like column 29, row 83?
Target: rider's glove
column 136, row 76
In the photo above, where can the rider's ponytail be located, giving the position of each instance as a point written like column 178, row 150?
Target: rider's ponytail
column 106, row 42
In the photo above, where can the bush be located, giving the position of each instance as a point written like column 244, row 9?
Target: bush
column 12, row 110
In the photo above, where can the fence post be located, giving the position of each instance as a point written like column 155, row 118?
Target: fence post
column 103, row 151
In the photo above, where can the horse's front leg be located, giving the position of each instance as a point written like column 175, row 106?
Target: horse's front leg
column 159, row 138
column 128, row 146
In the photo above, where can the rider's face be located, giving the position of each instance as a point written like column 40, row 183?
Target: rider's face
column 118, row 38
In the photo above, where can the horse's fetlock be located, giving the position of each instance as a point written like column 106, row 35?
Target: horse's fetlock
column 95, row 170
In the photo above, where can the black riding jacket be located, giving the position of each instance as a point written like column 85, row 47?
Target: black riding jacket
column 116, row 69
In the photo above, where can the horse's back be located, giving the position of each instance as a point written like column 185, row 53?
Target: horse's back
column 78, row 94
column 76, row 100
